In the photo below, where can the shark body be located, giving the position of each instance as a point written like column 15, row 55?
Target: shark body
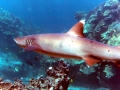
column 72, row 44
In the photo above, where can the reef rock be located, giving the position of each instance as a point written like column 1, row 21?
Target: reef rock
column 109, row 75
column 57, row 79
column 102, row 22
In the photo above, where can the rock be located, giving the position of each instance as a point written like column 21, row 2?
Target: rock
column 99, row 20
column 109, row 75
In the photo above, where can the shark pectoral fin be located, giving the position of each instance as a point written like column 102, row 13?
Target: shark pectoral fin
column 90, row 61
column 77, row 29
column 33, row 47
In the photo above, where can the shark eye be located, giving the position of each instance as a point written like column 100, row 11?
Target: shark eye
column 30, row 41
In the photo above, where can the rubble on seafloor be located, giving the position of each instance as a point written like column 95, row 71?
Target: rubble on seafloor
column 107, row 74
column 57, row 79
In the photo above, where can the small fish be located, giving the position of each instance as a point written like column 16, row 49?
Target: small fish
column 71, row 80
column 23, row 64
column 21, row 51
column 30, row 63
column 6, row 48
column 36, row 58
column 73, row 76
column 16, row 69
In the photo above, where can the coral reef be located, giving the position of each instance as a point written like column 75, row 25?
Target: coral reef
column 109, row 75
column 13, row 60
column 113, row 34
column 57, row 79
column 100, row 22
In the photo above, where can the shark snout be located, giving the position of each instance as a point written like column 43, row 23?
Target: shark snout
column 19, row 41
column 15, row 40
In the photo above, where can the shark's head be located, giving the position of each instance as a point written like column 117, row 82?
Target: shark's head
column 25, row 41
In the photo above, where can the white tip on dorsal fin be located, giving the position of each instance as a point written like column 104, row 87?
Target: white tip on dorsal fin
column 77, row 29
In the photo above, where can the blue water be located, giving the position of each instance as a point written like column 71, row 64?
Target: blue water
column 52, row 15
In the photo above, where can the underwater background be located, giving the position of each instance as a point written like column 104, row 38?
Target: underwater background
column 24, row 70
column 55, row 16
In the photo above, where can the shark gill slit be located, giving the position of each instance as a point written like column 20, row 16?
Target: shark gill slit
column 29, row 41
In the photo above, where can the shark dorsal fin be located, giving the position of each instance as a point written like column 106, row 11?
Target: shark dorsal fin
column 77, row 29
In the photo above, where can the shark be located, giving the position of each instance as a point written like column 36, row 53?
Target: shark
column 71, row 44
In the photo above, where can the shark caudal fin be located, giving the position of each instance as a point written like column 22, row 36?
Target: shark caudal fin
column 77, row 29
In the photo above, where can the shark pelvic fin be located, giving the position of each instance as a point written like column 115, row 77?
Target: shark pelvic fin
column 90, row 61
column 77, row 29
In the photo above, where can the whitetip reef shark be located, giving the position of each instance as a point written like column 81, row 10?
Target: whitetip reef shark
column 71, row 44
